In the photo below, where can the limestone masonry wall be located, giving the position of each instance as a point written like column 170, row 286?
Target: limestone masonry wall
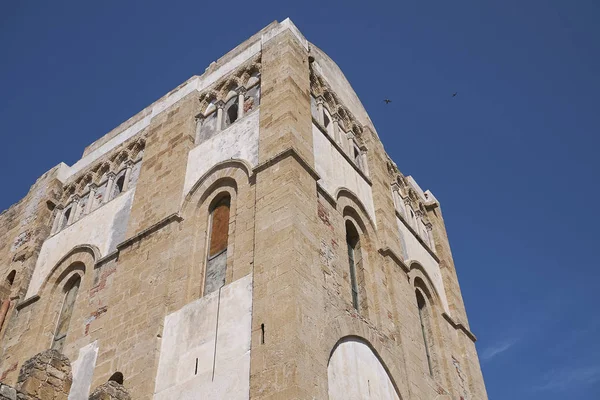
column 333, row 277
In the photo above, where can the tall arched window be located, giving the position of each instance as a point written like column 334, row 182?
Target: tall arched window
column 425, row 320
column 64, row 319
column 216, row 264
column 353, row 243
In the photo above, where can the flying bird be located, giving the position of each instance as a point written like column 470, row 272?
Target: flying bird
column 387, row 101
column 454, row 94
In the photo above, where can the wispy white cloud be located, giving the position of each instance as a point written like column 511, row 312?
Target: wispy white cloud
column 565, row 378
column 498, row 348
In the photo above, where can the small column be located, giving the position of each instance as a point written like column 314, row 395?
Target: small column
column 129, row 166
column 429, row 227
column 419, row 219
column 220, row 106
column 57, row 219
column 91, row 199
column 335, row 127
column 74, row 209
column 109, row 188
column 349, row 145
column 408, row 208
column 241, row 98
column 396, row 197
column 363, row 155
column 320, row 102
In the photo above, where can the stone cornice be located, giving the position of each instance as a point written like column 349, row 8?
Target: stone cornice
column 291, row 152
column 388, row 252
column 459, row 326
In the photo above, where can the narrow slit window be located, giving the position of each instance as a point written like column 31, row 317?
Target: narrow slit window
column 352, row 241
column 425, row 328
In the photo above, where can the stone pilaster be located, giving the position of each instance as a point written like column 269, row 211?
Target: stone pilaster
column 284, row 365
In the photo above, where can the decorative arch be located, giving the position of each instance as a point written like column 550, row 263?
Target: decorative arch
column 428, row 303
column 236, row 170
column 417, row 273
column 355, row 371
column 345, row 196
column 85, row 254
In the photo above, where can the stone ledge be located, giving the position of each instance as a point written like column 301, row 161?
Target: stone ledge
column 459, row 326
column 291, row 152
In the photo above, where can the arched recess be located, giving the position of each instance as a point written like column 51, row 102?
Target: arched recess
column 356, row 372
column 72, row 268
column 228, row 181
column 345, row 197
column 235, row 169
column 362, row 254
column 428, row 309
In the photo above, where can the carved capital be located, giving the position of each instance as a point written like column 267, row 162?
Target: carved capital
column 220, row 104
column 241, row 90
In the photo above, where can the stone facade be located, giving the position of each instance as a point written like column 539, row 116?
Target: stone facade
column 246, row 236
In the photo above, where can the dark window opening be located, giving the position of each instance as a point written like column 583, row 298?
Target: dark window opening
column 232, row 113
column 120, row 184
column 352, row 240
column 66, row 216
column 117, row 377
column 326, row 120
column 10, row 279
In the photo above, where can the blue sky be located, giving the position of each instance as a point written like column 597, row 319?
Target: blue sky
column 513, row 157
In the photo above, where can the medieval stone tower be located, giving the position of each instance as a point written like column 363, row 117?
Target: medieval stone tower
column 246, row 236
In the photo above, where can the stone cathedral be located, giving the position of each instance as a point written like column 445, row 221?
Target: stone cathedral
column 246, row 236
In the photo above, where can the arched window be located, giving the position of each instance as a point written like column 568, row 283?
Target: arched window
column 65, row 219
column 232, row 113
column 119, row 185
column 116, row 377
column 353, row 243
column 425, row 320
column 64, row 319
column 216, row 264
